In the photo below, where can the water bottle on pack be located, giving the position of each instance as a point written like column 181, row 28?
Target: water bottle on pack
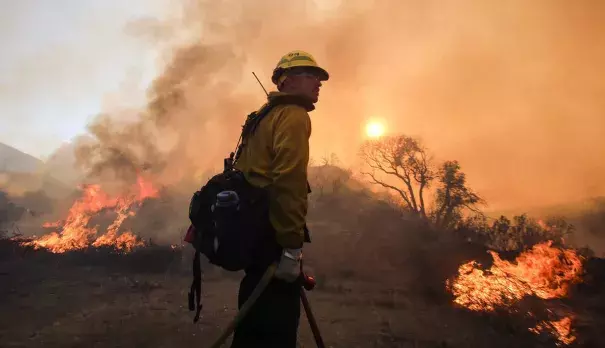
column 225, row 211
column 227, row 199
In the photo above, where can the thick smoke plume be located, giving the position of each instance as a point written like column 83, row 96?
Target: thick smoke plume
column 510, row 89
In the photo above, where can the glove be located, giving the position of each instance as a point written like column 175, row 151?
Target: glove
column 288, row 268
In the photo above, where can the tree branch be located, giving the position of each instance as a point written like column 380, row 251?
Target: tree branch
column 385, row 185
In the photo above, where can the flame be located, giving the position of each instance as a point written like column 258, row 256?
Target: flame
column 75, row 231
column 542, row 224
column 560, row 329
column 543, row 271
column 55, row 224
column 146, row 189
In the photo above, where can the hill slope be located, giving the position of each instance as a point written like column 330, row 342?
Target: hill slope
column 13, row 160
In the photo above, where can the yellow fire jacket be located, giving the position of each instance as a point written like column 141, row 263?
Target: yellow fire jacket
column 276, row 157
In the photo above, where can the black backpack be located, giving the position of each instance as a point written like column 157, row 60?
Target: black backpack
column 229, row 216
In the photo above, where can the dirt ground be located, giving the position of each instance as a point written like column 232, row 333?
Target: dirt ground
column 95, row 298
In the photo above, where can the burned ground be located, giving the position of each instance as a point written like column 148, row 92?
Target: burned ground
column 379, row 288
column 98, row 298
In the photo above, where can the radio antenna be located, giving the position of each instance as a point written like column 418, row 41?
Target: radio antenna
column 263, row 87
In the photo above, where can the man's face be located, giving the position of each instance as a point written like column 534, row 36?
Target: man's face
column 305, row 84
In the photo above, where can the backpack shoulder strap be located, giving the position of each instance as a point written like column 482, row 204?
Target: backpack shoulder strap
column 254, row 118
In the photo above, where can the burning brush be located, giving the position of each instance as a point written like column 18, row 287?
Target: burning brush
column 75, row 232
column 544, row 271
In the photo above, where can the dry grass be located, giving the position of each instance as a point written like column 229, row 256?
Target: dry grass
column 96, row 298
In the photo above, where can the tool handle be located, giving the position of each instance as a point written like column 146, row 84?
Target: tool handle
column 314, row 328
column 260, row 287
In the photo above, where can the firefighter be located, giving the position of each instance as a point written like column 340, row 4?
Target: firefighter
column 276, row 157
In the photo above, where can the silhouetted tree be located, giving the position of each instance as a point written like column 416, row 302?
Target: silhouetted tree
column 453, row 196
column 405, row 159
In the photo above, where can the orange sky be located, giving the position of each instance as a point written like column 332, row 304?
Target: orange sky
column 513, row 90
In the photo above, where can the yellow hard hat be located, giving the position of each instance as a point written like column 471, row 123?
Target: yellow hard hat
column 298, row 59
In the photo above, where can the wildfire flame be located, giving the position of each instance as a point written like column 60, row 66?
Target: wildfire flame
column 75, row 231
column 560, row 328
column 543, row 271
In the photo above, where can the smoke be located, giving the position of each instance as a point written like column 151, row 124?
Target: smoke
column 510, row 89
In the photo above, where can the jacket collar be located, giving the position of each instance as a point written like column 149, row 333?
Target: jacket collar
column 287, row 98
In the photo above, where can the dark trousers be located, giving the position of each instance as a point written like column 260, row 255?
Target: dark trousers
column 273, row 319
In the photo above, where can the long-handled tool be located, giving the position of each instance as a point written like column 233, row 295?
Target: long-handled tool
column 258, row 290
column 312, row 323
column 308, row 284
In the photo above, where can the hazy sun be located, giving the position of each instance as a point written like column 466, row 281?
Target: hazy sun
column 374, row 129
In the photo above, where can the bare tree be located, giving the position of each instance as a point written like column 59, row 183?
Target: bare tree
column 330, row 160
column 404, row 158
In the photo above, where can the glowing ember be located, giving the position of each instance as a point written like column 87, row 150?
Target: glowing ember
column 544, row 271
column 75, row 232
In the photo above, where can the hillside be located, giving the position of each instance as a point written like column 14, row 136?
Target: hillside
column 17, row 184
column 21, row 173
column 13, row 160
